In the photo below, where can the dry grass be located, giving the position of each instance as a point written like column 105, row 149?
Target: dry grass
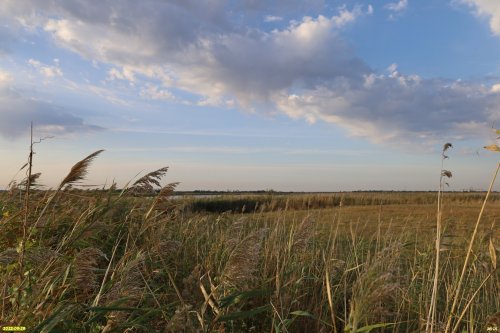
column 114, row 262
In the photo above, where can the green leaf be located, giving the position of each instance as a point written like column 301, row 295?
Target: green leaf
column 368, row 328
column 276, row 326
column 492, row 148
column 49, row 324
column 244, row 314
column 497, row 131
column 116, row 308
column 101, row 311
column 237, row 297
column 302, row 314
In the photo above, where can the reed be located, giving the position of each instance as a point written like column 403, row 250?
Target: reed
column 117, row 261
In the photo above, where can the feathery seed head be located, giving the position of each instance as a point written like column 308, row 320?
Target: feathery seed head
column 79, row 170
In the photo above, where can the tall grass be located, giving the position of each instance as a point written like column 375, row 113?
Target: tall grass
column 104, row 261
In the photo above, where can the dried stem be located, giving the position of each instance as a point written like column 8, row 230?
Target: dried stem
column 431, row 317
column 469, row 251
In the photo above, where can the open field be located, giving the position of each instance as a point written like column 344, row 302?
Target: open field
column 353, row 262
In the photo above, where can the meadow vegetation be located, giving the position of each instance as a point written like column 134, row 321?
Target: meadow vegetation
column 122, row 260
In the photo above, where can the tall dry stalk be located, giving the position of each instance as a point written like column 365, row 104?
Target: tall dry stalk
column 26, row 211
column 77, row 173
column 431, row 317
column 27, row 184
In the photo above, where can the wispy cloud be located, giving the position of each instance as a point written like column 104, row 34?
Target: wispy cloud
column 202, row 150
column 157, row 93
column 397, row 6
column 232, row 150
column 5, row 78
column 124, row 74
column 18, row 111
column 48, row 71
column 273, row 18
column 396, row 9
column 221, row 133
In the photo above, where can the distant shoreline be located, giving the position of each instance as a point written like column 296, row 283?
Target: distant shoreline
column 273, row 192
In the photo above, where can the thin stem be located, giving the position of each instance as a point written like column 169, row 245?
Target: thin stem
column 469, row 303
column 469, row 251
column 432, row 309
column 26, row 213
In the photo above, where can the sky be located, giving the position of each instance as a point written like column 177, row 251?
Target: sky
column 310, row 95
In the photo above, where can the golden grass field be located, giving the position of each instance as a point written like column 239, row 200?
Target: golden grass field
column 120, row 261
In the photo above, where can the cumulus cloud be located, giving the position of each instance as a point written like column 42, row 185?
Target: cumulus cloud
column 398, row 109
column 305, row 70
column 254, row 65
column 489, row 9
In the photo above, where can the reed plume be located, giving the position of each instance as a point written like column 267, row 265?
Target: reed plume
column 147, row 183
column 303, row 235
column 79, row 170
column 85, row 279
column 129, row 285
column 165, row 192
column 77, row 173
column 32, row 181
column 242, row 265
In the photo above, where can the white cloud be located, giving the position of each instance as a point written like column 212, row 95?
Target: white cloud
column 46, row 70
column 156, row 93
column 490, row 9
column 495, row 88
column 126, row 73
column 397, row 6
column 106, row 93
column 252, row 66
column 5, row 78
column 346, row 16
column 398, row 109
column 305, row 70
column 272, row 18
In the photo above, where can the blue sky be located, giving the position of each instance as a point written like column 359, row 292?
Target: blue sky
column 305, row 95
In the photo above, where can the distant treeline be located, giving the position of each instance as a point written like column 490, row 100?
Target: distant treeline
column 268, row 200
column 279, row 201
